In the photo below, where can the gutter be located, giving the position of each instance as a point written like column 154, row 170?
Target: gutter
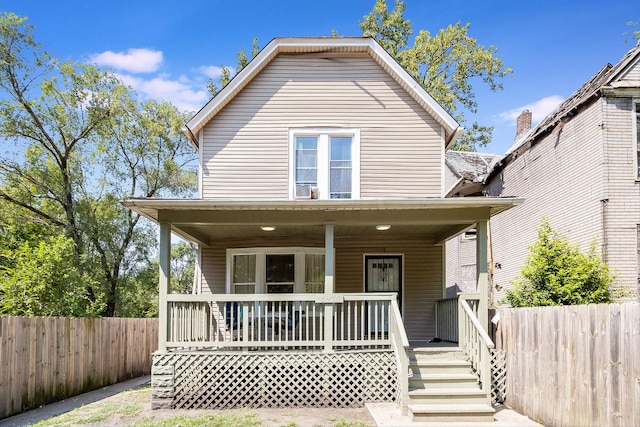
column 192, row 138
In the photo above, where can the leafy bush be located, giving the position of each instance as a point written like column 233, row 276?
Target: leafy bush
column 558, row 273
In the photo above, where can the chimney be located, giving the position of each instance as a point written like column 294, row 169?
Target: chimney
column 523, row 123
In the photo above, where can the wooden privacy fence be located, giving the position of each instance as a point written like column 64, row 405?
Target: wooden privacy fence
column 573, row 365
column 45, row 359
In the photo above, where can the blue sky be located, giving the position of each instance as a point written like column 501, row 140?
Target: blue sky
column 168, row 49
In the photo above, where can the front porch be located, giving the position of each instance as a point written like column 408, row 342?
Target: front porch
column 315, row 350
column 334, row 348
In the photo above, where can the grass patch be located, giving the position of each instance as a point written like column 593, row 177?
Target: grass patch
column 91, row 414
column 220, row 420
column 339, row 422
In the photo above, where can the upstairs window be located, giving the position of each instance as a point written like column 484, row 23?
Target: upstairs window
column 325, row 164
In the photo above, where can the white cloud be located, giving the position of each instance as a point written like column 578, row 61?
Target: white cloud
column 179, row 92
column 133, row 60
column 539, row 109
column 210, row 71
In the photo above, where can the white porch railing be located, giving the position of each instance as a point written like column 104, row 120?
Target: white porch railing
column 474, row 341
column 301, row 321
column 400, row 344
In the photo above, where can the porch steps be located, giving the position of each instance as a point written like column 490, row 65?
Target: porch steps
column 443, row 387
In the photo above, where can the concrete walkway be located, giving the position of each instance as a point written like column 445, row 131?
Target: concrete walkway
column 388, row 415
column 57, row 408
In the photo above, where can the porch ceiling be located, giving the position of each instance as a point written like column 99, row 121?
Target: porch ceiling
column 205, row 221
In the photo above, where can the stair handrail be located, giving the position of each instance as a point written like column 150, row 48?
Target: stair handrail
column 475, row 343
column 400, row 343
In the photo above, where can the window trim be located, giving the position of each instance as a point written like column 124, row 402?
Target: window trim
column 323, row 161
column 261, row 255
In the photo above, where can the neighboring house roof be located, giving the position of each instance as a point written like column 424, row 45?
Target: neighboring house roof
column 605, row 81
column 329, row 45
column 471, row 168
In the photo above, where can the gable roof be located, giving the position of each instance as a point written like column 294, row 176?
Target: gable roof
column 323, row 45
column 605, row 82
column 601, row 82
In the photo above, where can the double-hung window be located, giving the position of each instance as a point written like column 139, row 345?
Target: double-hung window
column 327, row 161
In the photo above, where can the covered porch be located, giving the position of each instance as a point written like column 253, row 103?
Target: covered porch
column 343, row 346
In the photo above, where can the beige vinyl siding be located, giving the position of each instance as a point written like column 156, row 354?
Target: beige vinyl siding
column 245, row 147
column 422, row 271
column 561, row 179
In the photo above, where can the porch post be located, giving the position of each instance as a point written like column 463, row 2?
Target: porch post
column 329, row 262
column 329, row 287
column 165, row 275
column 482, row 273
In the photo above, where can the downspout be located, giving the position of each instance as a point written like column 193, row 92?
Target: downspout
column 490, row 254
column 605, row 241
column 604, row 199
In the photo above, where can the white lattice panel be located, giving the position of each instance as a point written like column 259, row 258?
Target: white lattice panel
column 498, row 375
column 287, row 379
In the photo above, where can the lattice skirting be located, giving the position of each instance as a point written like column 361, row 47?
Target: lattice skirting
column 498, row 375
column 199, row 380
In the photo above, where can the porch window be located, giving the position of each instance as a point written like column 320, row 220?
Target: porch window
column 314, row 273
column 280, row 273
column 275, row 270
column 326, row 160
column 244, row 274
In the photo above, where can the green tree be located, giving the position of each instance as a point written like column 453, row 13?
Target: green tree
column 81, row 143
column 225, row 76
column 183, row 263
column 41, row 279
column 635, row 34
column 446, row 64
column 558, row 273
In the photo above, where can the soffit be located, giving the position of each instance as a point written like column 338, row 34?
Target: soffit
column 204, row 221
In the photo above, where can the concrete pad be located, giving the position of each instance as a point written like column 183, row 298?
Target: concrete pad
column 388, row 415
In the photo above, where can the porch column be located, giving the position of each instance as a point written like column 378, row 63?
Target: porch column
column 329, row 262
column 165, row 276
column 329, row 287
column 482, row 273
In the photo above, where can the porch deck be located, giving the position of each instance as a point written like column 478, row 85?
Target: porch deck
column 307, row 350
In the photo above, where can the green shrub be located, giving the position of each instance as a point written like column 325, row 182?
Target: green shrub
column 558, row 273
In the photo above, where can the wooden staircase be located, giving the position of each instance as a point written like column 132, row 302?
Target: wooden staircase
column 443, row 387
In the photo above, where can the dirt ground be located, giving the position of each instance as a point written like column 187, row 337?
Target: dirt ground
column 133, row 408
